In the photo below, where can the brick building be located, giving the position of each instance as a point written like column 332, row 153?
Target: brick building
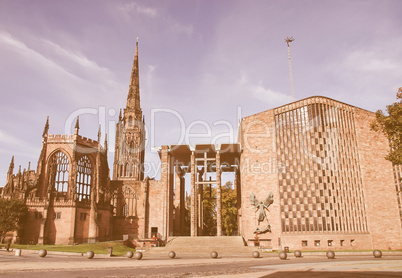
column 326, row 169
column 314, row 162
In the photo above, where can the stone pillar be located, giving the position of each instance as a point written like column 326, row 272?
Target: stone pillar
column 193, row 223
column 238, row 192
column 200, row 190
column 42, row 229
column 71, row 239
column 165, row 179
column 170, row 197
column 178, row 205
column 72, row 195
column 92, row 233
column 146, row 209
column 218, row 195
column 182, row 202
column 93, row 227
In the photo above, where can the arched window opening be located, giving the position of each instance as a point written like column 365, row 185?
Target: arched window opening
column 130, row 121
column 135, row 171
column 126, row 169
column 84, row 179
column 59, row 167
column 131, row 147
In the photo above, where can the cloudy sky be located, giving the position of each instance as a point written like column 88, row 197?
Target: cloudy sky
column 203, row 64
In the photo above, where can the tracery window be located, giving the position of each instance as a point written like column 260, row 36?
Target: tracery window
column 84, row 178
column 59, row 167
column 130, row 202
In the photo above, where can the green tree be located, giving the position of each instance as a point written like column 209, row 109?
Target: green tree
column 391, row 126
column 209, row 210
column 229, row 208
column 13, row 214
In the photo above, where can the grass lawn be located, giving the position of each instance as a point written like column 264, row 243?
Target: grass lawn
column 98, row 248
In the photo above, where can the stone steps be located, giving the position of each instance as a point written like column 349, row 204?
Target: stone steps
column 233, row 245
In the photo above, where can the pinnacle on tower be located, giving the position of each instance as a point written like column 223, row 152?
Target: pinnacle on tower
column 46, row 129
column 105, row 143
column 11, row 168
column 133, row 98
column 99, row 133
column 77, row 125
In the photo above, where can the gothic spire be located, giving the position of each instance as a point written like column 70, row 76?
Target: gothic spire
column 133, row 99
column 46, row 129
column 77, row 125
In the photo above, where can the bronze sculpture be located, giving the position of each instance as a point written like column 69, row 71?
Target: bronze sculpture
column 261, row 207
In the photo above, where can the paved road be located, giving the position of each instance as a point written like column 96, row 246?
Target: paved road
column 270, row 266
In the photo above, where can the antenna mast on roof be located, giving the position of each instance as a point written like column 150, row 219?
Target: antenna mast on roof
column 292, row 88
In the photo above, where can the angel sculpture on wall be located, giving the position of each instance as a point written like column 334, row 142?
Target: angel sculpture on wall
column 261, row 207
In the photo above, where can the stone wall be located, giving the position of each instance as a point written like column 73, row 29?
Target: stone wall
column 157, row 203
column 258, row 174
column 58, row 225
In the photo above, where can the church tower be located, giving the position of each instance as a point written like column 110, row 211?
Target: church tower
column 130, row 133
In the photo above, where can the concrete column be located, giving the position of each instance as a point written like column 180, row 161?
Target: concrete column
column 193, row 223
column 218, row 195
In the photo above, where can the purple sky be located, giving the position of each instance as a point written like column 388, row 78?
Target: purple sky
column 206, row 61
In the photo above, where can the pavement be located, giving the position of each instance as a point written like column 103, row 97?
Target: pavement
column 29, row 264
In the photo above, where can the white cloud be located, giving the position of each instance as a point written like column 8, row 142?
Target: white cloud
column 11, row 145
column 149, row 77
column 159, row 20
column 369, row 60
column 258, row 91
column 134, row 6
column 267, row 95
column 68, row 73
column 23, row 49
column 76, row 58
column 175, row 28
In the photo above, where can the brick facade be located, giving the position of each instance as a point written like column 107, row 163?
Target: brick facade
column 332, row 186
